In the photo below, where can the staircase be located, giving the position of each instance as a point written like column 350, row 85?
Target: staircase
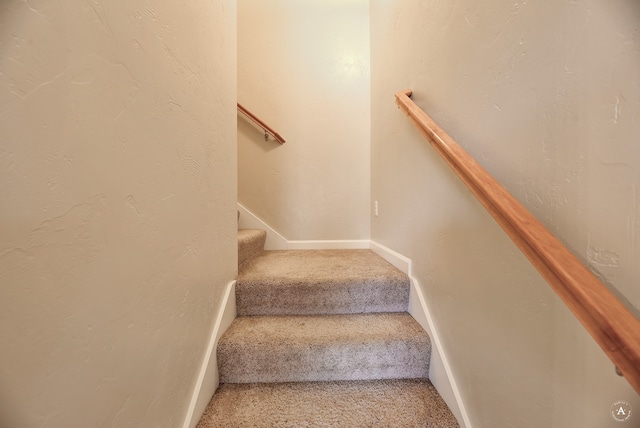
column 322, row 338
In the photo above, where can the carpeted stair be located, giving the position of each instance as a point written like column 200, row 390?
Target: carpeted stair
column 302, row 348
column 250, row 244
column 320, row 282
column 322, row 338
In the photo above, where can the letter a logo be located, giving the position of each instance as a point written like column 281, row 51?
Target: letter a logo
column 621, row 411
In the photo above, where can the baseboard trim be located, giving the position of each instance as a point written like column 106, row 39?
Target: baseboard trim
column 208, row 379
column 440, row 372
column 329, row 245
column 398, row 260
column 276, row 241
column 249, row 220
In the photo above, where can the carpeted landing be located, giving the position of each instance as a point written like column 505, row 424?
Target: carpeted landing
column 322, row 339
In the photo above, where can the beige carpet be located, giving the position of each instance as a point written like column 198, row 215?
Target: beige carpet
column 330, row 347
column 320, row 282
column 250, row 244
column 322, row 339
column 354, row 404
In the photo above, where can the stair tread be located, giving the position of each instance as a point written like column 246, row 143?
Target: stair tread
column 323, row 347
column 352, row 404
column 320, row 282
column 319, row 329
column 245, row 234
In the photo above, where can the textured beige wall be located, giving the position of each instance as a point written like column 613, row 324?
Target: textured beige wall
column 303, row 67
column 117, row 221
column 546, row 96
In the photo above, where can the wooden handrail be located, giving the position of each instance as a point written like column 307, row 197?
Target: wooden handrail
column 266, row 128
column 611, row 324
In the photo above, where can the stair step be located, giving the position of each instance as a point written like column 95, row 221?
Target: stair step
column 301, row 348
column 384, row 403
column 291, row 282
column 250, row 244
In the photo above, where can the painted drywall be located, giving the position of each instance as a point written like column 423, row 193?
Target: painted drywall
column 118, row 218
column 546, row 96
column 303, row 67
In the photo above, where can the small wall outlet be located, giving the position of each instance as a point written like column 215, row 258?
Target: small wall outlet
column 375, row 208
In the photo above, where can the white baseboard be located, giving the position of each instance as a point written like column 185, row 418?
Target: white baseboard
column 249, row 220
column 276, row 241
column 208, row 379
column 357, row 244
column 440, row 372
column 398, row 260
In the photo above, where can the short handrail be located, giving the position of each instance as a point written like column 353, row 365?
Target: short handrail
column 266, row 128
column 611, row 324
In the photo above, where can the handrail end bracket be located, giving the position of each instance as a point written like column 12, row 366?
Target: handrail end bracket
column 407, row 92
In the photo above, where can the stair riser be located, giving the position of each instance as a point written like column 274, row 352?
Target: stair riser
column 321, row 299
column 291, row 363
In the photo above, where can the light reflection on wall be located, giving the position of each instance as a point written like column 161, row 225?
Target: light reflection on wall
column 304, row 67
column 350, row 65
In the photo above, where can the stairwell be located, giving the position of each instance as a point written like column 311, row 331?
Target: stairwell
column 322, row 338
